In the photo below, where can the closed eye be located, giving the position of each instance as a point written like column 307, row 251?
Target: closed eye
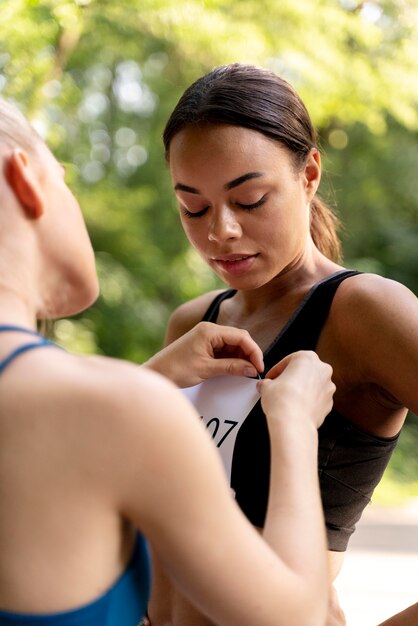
column 188, row 213
column 248, row 207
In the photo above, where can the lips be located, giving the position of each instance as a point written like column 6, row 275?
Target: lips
column 233, row 257
column 235, row 263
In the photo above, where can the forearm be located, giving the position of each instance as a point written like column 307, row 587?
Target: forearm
column 295, row 525
column 295, row 404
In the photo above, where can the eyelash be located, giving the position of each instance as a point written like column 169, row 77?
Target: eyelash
column 197, row 214
column 246, row 207
column 255, row 205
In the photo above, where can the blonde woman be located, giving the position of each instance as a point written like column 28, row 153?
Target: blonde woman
column 97, row 454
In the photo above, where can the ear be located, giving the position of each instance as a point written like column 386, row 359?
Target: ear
column 24, row 182
column 312, row 172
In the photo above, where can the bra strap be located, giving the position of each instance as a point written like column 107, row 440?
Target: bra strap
column 22, row 349
column 213, row 310
column 303, row 329
column 42, row 342
column 18, row 329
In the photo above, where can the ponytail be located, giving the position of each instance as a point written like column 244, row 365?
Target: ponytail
column 324, row 227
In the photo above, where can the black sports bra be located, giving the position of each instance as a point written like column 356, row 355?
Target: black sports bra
column 351, row 462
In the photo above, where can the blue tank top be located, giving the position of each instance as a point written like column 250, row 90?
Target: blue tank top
column 125, row 603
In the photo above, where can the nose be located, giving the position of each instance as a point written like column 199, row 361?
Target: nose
column 224, row 225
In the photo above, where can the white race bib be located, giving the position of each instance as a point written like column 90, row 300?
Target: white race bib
column 224, row 403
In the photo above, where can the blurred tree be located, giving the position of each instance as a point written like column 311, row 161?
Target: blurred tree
column 100, row 78
column 375, row 186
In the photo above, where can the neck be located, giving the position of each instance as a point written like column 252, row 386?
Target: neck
column 14, row 309
column 20, row 294
column 299, row 276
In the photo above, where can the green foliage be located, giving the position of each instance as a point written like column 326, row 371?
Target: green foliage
column 99, row 78
column 374, row 186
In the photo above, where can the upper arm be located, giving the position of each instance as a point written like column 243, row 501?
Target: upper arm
column 379, row 328
column 172, row 486
column 187, row 315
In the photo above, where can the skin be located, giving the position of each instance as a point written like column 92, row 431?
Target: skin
column 408, row 617
column 89, row 444
column 266, row 252
column 211, row 350
column 38, row 185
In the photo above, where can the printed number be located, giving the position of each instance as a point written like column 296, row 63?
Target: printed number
column 228, row 431
column 216, row 422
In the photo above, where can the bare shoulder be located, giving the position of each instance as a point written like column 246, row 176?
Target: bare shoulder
column 147, row 429
column 135, row 396
column 96, row 393
column 372, row 334
column 117, row 426
column 118, row 384
column 122, row 405
column 369, row 297
column 187, row 315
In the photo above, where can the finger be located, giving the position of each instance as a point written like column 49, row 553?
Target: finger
column 238, row 338
column 301, row 358
column 262, row 385
column 232, row 367
column 279, row 367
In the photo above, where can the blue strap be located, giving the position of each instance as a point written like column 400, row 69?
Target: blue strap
column 18, row 329
column 24, row 348
column 27, row 346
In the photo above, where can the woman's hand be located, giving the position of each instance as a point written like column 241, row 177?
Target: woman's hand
column 208, row 350
column 300, row 384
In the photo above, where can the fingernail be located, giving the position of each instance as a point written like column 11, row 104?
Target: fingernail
column 250, row 372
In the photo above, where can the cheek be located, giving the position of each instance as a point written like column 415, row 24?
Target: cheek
column 282, row 230
column 195, row 233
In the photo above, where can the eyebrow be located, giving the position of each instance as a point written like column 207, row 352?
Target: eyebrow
column 233, row 183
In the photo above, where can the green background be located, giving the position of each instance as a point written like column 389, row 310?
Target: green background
column 98, row 78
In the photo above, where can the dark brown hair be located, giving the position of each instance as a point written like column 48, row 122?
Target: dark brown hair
column 255, row 98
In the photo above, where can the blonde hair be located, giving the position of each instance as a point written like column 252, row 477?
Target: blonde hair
column 15, row 129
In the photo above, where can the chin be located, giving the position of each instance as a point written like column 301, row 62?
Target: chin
column 242, row 283
column 73, row 299
column 85, row 298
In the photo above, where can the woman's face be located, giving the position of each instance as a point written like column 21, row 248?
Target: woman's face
column 243, row 205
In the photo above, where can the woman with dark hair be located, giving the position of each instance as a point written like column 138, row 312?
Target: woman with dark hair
column 246, row 168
